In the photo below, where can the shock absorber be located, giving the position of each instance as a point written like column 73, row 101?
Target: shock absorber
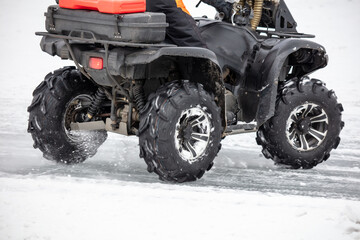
column 98, row 98
column 139, row 97
column 258, row 7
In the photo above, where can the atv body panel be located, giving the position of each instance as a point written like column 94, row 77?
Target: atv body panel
column 259, row 64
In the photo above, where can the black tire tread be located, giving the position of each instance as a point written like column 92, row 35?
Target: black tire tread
column 43, row 113
column 155, row 111
column 267, row 134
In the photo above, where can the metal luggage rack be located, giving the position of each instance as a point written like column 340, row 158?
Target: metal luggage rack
column 89, row 37
column 272, row 34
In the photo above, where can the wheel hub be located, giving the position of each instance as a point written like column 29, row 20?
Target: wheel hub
column 185, row 133
column 306, row 127
column 75, row 112
column 192, row 134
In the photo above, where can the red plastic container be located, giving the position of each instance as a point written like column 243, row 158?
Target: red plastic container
column 106, row 6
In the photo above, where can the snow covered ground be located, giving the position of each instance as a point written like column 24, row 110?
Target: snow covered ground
column 111, row 196
column 83, row 208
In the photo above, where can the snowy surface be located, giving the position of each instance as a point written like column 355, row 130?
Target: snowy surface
column 111, row 196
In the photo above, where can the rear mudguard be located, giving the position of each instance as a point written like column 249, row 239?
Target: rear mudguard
column 268, row 69
column 137, row 63
column 194, row 64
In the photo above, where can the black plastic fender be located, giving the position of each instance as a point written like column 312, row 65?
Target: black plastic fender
column 137, row 62
column 267, row 69
column 150, row 55
column 196, row 64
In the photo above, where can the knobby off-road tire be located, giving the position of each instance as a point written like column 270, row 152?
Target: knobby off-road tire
column 59, row 100
column 305, row 127
column 180, row 132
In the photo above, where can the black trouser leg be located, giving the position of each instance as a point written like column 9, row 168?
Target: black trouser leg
column 182, row 28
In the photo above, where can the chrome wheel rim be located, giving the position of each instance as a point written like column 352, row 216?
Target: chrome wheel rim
column 192, row 134
column 307, row 127
column 75, row 112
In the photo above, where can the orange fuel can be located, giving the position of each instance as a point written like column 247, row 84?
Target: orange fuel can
column 106, row 6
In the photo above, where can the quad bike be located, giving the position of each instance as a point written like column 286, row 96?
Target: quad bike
column 182, row 101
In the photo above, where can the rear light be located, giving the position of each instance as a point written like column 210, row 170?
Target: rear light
column 96, row 63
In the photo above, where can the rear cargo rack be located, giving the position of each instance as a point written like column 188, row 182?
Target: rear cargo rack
column 89, row 37
column 276, row 34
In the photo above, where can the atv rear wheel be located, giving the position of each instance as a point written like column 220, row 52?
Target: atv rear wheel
column 305, row 127
column 180, row 132
column 62, row 98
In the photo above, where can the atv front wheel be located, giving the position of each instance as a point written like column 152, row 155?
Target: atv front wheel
column 305, row 127
column 180, row 132
column 62, row 98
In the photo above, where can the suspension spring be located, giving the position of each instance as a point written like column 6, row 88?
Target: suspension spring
column 98, row 99
column 257, row 7
column 139, row 97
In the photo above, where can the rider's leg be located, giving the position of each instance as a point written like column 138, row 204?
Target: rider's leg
column 182, row 28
